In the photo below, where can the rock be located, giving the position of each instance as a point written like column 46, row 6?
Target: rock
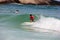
column 35, row 1
column 6, row 1
column 41, row 2
column 26, row 1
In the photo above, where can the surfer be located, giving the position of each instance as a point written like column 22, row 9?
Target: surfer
column 17, row 11
column 31, row 18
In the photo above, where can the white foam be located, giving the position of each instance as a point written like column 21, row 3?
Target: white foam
column 47, row 23
column 27, row 23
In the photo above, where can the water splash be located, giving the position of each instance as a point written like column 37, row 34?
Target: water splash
column 47, row 23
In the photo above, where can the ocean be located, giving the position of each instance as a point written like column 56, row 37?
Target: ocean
column 14, row 27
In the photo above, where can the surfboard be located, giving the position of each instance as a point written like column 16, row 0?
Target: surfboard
column 27, row 23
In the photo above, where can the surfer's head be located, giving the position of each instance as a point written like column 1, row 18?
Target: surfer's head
column 17, row 10
column 30, row 14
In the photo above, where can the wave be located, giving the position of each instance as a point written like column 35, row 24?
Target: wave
column 41, row 21
column 47, row 23
column 13, row 20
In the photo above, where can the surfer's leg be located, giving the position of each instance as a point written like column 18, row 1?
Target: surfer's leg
column 32, row 20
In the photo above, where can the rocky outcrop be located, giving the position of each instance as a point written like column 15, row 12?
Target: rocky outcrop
column 6, row 1
column 35, row 1
column 53, row 2
column 26, row 1
column 41, row 2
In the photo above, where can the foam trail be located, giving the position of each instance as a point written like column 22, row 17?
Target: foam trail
column 48, row 23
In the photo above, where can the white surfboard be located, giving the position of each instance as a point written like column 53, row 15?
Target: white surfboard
column 27, row 23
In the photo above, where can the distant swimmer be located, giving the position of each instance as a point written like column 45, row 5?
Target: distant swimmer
column 31, row 18
column 17, row 11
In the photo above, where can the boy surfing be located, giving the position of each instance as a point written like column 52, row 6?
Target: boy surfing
column 31, row 18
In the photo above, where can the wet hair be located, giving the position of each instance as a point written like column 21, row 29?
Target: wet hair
column 17, row 10
column 30, row 14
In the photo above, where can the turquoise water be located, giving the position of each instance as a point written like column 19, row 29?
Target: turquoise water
column 14, row 27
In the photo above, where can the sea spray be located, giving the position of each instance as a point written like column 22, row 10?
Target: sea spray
column 47, row 23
